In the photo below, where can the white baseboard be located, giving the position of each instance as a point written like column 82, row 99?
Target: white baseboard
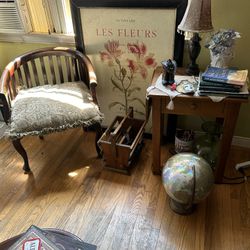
column 241, row 141
column 236, row 141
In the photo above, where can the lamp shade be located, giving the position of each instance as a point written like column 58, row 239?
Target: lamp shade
column 197, row 17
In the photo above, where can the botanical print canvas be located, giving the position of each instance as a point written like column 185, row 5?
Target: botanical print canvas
column 125, row 45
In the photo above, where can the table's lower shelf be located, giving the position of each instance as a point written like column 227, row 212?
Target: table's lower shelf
column 226, row 110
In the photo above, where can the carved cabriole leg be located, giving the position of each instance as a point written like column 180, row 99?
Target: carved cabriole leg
column 19, row 148
column 98, row 135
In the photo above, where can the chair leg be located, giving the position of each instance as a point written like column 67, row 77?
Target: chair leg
column 98, row 135
column 19, row 148
column 85, row 129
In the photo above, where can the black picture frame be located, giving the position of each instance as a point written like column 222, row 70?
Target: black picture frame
column 179, row 5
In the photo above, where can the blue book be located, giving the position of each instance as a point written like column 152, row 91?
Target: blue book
column 230, row 76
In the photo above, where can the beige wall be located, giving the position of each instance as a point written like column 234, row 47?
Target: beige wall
column 229, row 14
column 236, row 15
column 9, row 51
column 225, row 14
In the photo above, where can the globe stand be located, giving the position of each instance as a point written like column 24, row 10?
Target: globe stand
column 180, row 208
column 187, row 179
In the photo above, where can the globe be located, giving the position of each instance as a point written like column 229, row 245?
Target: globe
column 187, row 179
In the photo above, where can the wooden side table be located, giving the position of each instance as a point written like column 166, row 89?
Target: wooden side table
column 226, row 110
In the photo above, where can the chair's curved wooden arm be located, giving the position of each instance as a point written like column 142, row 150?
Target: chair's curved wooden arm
column 89, row 67
column 91, row 71
column 6, row 87
column 5, row 109
column 5, row 78
column 93, row 93
column 7, row 91
column 91, row 77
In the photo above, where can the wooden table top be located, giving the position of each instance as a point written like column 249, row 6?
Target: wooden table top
column 181, row 71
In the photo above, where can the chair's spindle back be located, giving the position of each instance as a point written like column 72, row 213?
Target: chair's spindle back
column 52, row 70
column 35, row 72
column 27, row 75
column 20, row 77
column 75, row 69
column 68, row 69
column 10, row 90
column 14, row 84
column 44, row 66
column 44, row 73
column 59, row 65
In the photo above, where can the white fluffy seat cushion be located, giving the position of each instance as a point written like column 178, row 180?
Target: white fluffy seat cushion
column 49, row 108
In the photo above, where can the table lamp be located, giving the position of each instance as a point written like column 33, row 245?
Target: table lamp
column 197, row 19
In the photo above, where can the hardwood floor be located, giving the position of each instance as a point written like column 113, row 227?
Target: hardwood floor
column 69, row 189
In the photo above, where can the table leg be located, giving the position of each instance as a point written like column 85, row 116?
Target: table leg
column 230, row 119
column 156, row 135
column 171, row 127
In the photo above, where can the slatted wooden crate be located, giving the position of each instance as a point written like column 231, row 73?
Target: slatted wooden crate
column 121, row 142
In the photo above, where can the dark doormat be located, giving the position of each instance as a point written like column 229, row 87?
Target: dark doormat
column 48, row 238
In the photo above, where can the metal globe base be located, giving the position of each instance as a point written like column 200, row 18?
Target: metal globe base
column 180, row 208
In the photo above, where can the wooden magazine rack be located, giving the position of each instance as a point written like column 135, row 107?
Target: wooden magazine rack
column 121, row 142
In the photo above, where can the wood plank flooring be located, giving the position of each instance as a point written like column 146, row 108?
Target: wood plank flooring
column 69, row 189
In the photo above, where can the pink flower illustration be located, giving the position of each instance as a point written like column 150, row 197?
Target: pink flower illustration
column 137, row 49
column 112, row 52
column 132, row 65
column 150, row 61
column 112, row 48
column 122, row 78
column 142, row 61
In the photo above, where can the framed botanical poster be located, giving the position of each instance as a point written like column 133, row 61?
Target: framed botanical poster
column 125, row 41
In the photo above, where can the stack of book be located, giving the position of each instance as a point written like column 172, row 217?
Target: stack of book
column 224, row 82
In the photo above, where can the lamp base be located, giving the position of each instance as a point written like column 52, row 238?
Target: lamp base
column 193, row 70
column 194, row 49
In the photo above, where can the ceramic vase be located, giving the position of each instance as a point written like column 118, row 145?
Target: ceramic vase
column 223, row 59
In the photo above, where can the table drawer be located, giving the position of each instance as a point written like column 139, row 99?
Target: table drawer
column 194, row 107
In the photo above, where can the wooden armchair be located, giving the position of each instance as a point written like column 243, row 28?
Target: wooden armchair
column 48, row 90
